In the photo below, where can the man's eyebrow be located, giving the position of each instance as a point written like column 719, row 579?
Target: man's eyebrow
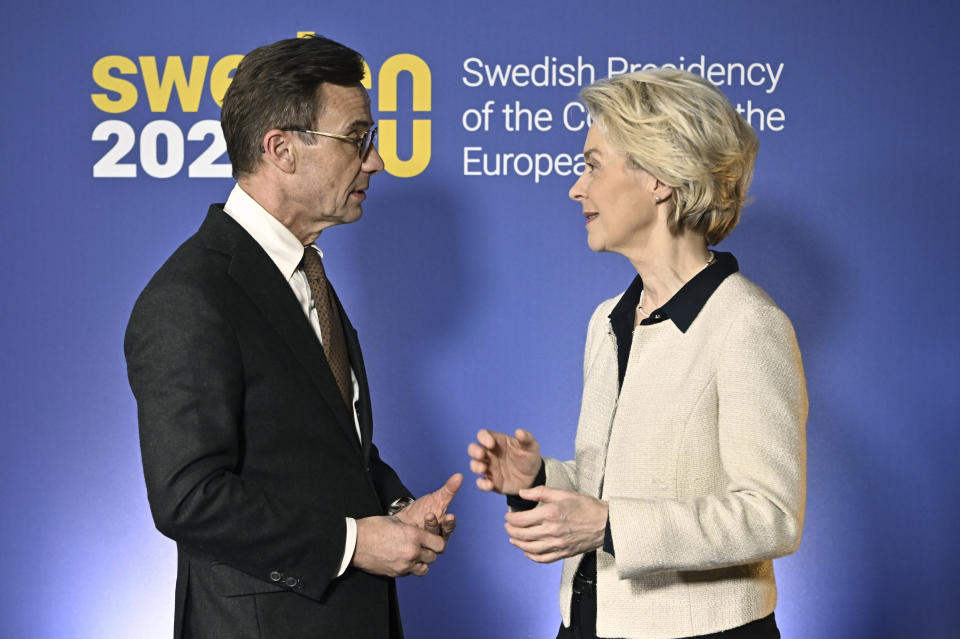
column 361, row 124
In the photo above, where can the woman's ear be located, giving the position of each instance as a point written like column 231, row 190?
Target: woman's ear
column 661, row 192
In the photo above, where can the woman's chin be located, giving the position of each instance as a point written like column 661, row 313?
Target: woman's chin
column 595, row 243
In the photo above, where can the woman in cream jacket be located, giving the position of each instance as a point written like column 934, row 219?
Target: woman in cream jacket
column 689, row 472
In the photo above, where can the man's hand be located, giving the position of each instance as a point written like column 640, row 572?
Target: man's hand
column 565, row 524
column 505, row 464
column 387, row 546
column 430, row 511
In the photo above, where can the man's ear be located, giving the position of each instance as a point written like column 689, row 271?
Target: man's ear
column 276, row 150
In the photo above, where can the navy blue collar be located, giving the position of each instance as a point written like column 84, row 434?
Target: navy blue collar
column 685, row 305
column 681, row 309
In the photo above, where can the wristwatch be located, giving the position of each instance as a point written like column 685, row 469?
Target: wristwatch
column 398, row 505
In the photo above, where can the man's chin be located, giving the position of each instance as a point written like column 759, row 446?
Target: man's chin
column 351, row 215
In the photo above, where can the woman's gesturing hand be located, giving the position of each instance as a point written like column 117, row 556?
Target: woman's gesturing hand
column 565, row 524
column 505, row 464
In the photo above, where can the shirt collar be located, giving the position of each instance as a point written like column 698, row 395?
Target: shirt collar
column 274, row 238
column 685, row 305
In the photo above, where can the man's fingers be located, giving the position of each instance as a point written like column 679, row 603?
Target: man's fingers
column 430, row 541
column 426, row 556
column 389, row 546
column 448, row 525
column 445, row 494
column 431, row 525
column 451, row 486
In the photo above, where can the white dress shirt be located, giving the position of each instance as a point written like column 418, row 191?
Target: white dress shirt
column 286, row 251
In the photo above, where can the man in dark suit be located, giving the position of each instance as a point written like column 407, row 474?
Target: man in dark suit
column 253, row 405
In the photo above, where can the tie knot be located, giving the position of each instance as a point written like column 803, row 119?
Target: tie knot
column 311, row 264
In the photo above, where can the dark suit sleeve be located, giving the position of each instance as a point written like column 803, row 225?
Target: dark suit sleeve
column 185, row 369
column 388, row 484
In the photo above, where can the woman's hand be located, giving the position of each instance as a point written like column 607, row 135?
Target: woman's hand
column 505, row 464
column 564, row 524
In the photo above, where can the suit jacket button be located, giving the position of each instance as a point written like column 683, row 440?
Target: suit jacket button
column 290, row 582
column 275, row 576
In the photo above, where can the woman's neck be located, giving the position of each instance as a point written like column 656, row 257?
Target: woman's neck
column 668, row 262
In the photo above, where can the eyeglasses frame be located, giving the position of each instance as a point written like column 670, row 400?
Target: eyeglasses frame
column 363, row 142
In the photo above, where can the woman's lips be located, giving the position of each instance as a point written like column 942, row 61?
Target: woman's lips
column 590, row 215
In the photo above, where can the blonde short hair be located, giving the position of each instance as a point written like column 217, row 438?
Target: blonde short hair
column 682, row 130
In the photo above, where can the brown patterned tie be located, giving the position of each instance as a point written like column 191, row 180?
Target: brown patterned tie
column 331, row 331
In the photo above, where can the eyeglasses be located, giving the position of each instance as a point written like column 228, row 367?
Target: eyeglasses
column 363, row 142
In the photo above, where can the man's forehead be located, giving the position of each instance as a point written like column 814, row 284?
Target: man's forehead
column 344, row 105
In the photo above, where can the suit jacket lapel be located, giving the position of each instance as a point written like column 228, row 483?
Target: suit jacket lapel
column 258, row 276
column 364, row 415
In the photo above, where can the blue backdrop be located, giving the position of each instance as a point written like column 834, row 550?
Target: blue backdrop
column 471, row 292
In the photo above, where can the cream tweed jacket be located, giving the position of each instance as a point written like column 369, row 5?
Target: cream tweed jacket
column 702, row 459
